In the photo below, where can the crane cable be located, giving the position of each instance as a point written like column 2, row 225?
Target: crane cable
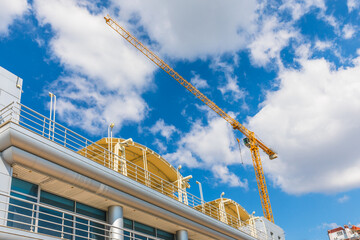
column 242, row 162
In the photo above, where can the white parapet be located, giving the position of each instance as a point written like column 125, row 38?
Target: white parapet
column 10, row 88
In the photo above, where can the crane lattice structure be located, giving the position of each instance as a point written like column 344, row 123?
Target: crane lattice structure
column 251, row 140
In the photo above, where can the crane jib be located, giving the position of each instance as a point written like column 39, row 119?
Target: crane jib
column 254, row 142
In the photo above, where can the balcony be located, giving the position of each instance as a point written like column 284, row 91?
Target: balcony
column 98, row 152
column 38, row 218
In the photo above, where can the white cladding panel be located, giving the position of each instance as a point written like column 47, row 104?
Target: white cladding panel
column 273, row 231
column 10, row 88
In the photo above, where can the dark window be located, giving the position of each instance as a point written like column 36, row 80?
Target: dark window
column 24, row 187
column 96, row 229
column 90, row 211
column 82, row 226
column 164, row 235
column 127, row 235
column 86, row 229
column 57, row 201
column 55, row 223
column 51, row 221
column 128, row 224
column 21, row 213
column 144, row 229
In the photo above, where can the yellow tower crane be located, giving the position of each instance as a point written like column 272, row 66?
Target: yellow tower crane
column 250, row 141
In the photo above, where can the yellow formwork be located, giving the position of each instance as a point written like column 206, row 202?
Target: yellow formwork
column 142, row 164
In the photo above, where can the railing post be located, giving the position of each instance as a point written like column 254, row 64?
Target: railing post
column 62, row 226
column 136, row 174
column 53, row 131
column 85, row 147
column 162, row 186
column 12, row 112
column 88, row 230
column 104, row 158
column 32, row 219
column 65, row 137
column 43, row 131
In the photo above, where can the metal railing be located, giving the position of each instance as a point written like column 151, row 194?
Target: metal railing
column 41, row 125
column 20, row 213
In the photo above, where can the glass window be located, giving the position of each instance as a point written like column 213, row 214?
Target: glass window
column 86, row 229
column 128, row 223
column 82, row 228
column 164, row 235
column 57, row 201
column 24, row 187
column 90, row 211
column 21, row 213
column 97, row 231
column 144, row 229
column 55, row 223
column 127, row 235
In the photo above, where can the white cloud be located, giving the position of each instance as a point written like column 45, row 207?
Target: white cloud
column 183, row 157
column 353, row 4
column 165, row 130
column 300, row 8
column 211, row 147
column 92, row 107
column 303, row 51
column 328, row 226
column 322, row 45
column 113, row 74
column 160, row 145
column 313, row 123
column 198, row 82
column 332, row 21
column 222, row 172
column 343, row 199
column 230, row 89
column 348, row 31
column 189, row 29
column 271, row 38
column 9, row 11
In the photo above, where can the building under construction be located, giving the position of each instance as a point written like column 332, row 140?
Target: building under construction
column 59, row 184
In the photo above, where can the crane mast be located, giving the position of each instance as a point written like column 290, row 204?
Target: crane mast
column 252, row 141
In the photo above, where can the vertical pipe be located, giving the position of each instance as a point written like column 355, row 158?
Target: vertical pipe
column 51, row 105
column 54, row 116
column 179, row 182
column 201, row 196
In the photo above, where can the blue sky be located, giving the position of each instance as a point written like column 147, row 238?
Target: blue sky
column 288, row 70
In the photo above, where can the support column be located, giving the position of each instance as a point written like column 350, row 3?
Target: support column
column 115, row 219
column 181, row 235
